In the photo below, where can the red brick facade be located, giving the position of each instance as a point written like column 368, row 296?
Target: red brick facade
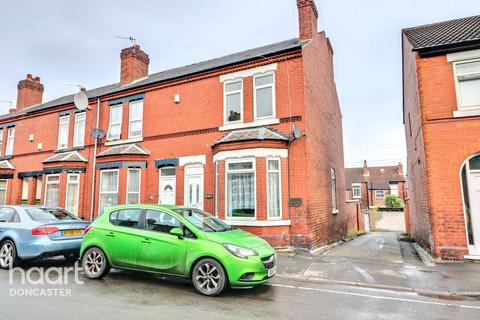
column 182, row 119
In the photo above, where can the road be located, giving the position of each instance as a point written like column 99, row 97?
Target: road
column 129, row 295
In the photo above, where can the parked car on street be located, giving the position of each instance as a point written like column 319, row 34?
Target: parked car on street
column 176, row 241
column 29, row 232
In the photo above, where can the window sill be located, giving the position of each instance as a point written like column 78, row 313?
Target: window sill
column 69, row 149
column 259, row 223
column 466, row 113
column 117, row 142
column 257, row 123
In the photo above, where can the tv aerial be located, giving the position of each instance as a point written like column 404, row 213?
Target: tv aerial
column 131, row 39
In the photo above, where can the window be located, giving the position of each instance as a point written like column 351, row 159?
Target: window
column 108, row 189
column 133, row 186
column 10, row 138
column 115, row 124
column 333, row 178
column 63, row 126
column 126, row 218
column 233, row 101
column 274, row 189
column 468, row 83
column 1, row 141
column 52, row 188
column 3, row 191
column 38, row 193
column 135, row 120
column 39, row 214
column 379, row 194
column 264, row 96
column 356, row 190
column 79, row 130
column 161, row 221
column 241, row 189
column 73, row 188
column 8, row 215
column 394, row 189
column 24, row 190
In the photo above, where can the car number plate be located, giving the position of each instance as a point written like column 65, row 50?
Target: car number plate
column 271, row 272
column 70, row 233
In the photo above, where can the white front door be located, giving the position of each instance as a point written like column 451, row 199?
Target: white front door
column 474, row 195
column 167, row 185
column 194, row 186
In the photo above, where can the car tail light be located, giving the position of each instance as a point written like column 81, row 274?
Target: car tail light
column 44, row 231
column 87, row 228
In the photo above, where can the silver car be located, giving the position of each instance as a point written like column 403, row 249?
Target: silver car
column 30, row 232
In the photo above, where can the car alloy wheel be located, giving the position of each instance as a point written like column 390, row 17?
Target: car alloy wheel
column 95, row 264
column 209, row 277
column 7, row 255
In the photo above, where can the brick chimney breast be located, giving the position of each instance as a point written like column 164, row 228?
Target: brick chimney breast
column 134, row 65
column 307, row 18
column 30, row 92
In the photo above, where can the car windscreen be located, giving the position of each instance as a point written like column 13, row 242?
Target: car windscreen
column 203, row 220
column 49, row 214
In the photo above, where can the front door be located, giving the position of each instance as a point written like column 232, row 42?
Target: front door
column 474, row 195
column 167, row 186
column 194, row 187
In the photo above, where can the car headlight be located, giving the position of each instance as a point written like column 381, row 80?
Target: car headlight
column 240, row 252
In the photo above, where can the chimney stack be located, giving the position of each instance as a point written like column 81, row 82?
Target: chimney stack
column 307, row 18
column 134, row 65
column 366, row 173
column 400, row 168
column 30, row 93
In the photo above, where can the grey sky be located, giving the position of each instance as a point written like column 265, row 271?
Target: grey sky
column 70, row 42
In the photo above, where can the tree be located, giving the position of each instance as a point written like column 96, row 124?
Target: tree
column 393, row 201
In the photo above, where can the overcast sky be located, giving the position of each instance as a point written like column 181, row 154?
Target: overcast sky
column 73, row 42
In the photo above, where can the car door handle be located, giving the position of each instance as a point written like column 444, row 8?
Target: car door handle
column 111, row 234
column 146, row 241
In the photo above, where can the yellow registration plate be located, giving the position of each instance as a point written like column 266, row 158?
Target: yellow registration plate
column 69, row 233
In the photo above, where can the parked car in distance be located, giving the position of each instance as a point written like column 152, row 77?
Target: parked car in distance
column 30, row 232
column 176, row 241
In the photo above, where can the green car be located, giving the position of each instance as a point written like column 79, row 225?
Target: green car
column 176, row 241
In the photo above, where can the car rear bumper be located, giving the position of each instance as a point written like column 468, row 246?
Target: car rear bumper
column 45, row 247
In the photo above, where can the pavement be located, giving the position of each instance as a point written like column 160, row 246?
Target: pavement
column 380, row 260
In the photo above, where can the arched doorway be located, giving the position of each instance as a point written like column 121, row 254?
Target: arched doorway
column 470, row 176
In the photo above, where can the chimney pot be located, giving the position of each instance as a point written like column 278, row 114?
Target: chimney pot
column 134, row 64
column 30, row 92
column 307, row 18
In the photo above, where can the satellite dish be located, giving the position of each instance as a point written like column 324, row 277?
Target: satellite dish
column 297, row 134
column 97, row 133
column 80, row 100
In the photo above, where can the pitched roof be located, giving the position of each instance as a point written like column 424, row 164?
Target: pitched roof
column 132, row 148
column 259, row 133
column 446, row 36
column 71, row 156
column 231, row 59
column 379, row 178
column 6, row 164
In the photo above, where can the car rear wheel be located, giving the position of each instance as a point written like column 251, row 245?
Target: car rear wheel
column 209, row 277
column 95, row 263
column 8, row 255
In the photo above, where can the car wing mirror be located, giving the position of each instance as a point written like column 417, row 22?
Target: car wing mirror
column 177, row 232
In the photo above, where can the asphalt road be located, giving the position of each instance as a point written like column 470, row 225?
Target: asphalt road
column 129, row 295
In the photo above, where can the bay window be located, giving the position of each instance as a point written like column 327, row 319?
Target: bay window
column 468, row 84
column 10, row 139
column 79, row 130
column 264, row 96
column 115, row 122
column 135, row 119
column 3, row 191
column 233, row 101
column 52, row 190
column 108, row 189
column 63, row 126
column 241, row 201
column 73, row 188
column 274, row 189
column 133, row 186
column 356, row 190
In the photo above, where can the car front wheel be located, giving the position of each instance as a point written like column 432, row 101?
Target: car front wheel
column 8, row 255
column 95, row 263
column 209, row 277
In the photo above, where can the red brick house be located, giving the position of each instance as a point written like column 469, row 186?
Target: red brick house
column 371, row 185
column 441, row 86
column 215, row 135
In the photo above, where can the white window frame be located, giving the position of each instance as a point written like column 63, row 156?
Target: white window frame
column 67, row 124
column 4, row 189
column 48, row 183
column 225, row 94
column 110, row 123
column 254, row 169
column 1, row 141
column 78, row 191
column 269, row 217
column 130, row 120
column 77, row 115
column 10, row 141
column 139, row 185
column 460, row 105
column 274, row 107
column 355, row 185
column 333, row 187
column 100, row 193
column 376, row 194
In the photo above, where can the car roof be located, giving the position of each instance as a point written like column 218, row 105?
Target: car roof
column 144, row 206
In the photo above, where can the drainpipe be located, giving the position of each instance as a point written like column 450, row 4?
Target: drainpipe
column 94, row 163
